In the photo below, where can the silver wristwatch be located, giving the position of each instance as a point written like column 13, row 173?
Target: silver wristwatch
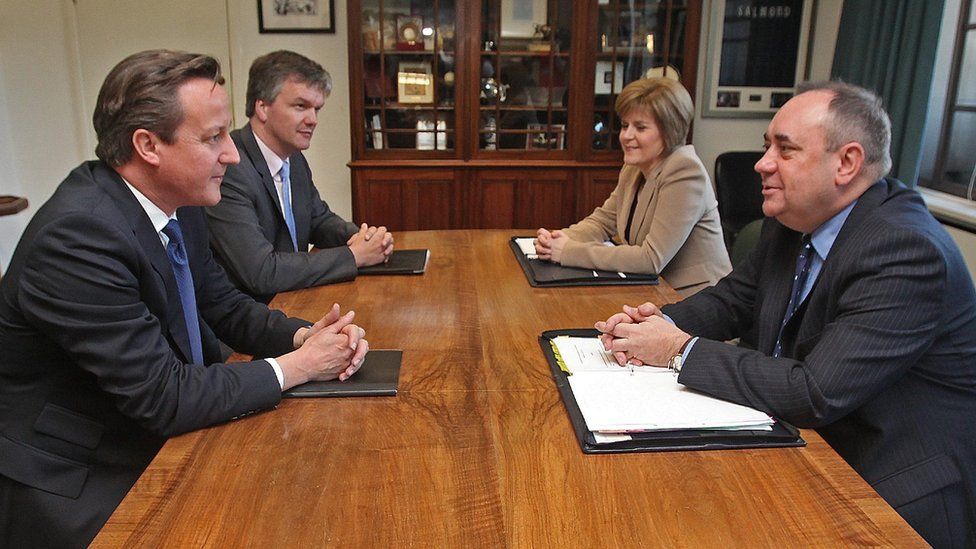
column 675, row 363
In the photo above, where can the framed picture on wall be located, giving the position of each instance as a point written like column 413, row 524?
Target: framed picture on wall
column 296, row 16
column 757, row 54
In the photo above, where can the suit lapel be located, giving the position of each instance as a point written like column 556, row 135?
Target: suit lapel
column 253, row 152
column 650, row 194
column 169, row 310
column 777, row 279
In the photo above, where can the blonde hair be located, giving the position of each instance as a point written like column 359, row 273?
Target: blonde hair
column 664, row 99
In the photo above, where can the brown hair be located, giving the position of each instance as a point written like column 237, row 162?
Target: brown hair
column 142, row 91
column 269, row 73
column 664, row 99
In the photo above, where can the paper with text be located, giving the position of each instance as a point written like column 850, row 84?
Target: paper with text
column 586, row 354
column 614, row 398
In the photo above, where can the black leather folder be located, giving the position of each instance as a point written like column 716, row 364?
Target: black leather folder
column 782, row 435
column 379, row 376
column 402, row 262
column 545, row 274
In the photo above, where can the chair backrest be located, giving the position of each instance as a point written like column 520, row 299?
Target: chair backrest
column 10, row 205
column 738, row 189
column 745, row 241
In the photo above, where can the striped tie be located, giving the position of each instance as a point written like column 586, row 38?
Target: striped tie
column 799, row 281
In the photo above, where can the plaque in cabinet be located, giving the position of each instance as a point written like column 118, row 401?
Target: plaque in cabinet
column 415, row 83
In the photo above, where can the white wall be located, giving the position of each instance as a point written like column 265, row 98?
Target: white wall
column 40, row 135
column 188, row 25
column 713, row 136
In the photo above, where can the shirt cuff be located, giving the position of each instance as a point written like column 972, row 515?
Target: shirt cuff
column 277, row 370
column 684, row 355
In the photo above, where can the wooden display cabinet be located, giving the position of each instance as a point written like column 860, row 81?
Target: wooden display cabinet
column 499, row 113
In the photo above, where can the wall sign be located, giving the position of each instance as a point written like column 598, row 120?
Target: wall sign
column 757, row 53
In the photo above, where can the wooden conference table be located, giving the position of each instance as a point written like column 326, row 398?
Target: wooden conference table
column 476, row 449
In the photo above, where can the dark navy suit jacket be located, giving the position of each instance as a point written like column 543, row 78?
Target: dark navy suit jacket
column 249, row 236
column 94, row 371
column 880, row 358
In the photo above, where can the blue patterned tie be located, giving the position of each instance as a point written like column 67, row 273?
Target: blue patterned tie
column 176, row 251
column 799, row 281
column 286, row 202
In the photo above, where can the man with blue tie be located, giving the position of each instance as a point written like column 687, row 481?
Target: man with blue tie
column 270, row 210
column 856, row 313
column 112, row 308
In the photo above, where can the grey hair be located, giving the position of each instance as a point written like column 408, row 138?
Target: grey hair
column 856, row 114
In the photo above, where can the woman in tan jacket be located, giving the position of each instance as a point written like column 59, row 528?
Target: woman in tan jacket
column 663, row 211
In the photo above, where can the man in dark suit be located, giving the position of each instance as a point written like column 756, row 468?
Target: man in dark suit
column 856, row 310
column 111, row 310
column 270, row 210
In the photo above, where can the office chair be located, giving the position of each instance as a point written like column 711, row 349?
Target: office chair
column 738, row 189
column 745, row 241
column 10, row 205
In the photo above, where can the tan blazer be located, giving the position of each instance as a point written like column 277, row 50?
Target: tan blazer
column 677, row 229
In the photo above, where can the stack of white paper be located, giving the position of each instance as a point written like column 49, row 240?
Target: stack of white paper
column 614, row 398
column 527, row 245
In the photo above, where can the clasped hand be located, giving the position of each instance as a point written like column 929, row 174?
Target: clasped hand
column 641, row 336
column 549, row 245
column 371, row 245
column 331, row 348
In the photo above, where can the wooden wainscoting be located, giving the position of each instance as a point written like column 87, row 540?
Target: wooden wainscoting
column 407, row 198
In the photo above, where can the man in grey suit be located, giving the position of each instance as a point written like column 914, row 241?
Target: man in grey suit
column 270, row 211
column 112, row 308
column 856, row 313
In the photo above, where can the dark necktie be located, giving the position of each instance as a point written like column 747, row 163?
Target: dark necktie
column 176, row 250
column 799, row 281
column 286, row 199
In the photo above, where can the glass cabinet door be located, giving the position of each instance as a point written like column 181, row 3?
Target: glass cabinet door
column 635, row 39
column 408, row 74
column 524, row 81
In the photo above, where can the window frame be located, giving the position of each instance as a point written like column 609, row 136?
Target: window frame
column 953, row 107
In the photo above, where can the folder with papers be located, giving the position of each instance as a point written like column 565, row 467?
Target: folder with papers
column 624, row 409
column 547, row 274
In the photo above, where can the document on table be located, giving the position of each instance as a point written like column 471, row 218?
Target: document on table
column 527, row 247
column 614, row 398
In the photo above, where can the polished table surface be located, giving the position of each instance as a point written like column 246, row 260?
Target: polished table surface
column 476, row 449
